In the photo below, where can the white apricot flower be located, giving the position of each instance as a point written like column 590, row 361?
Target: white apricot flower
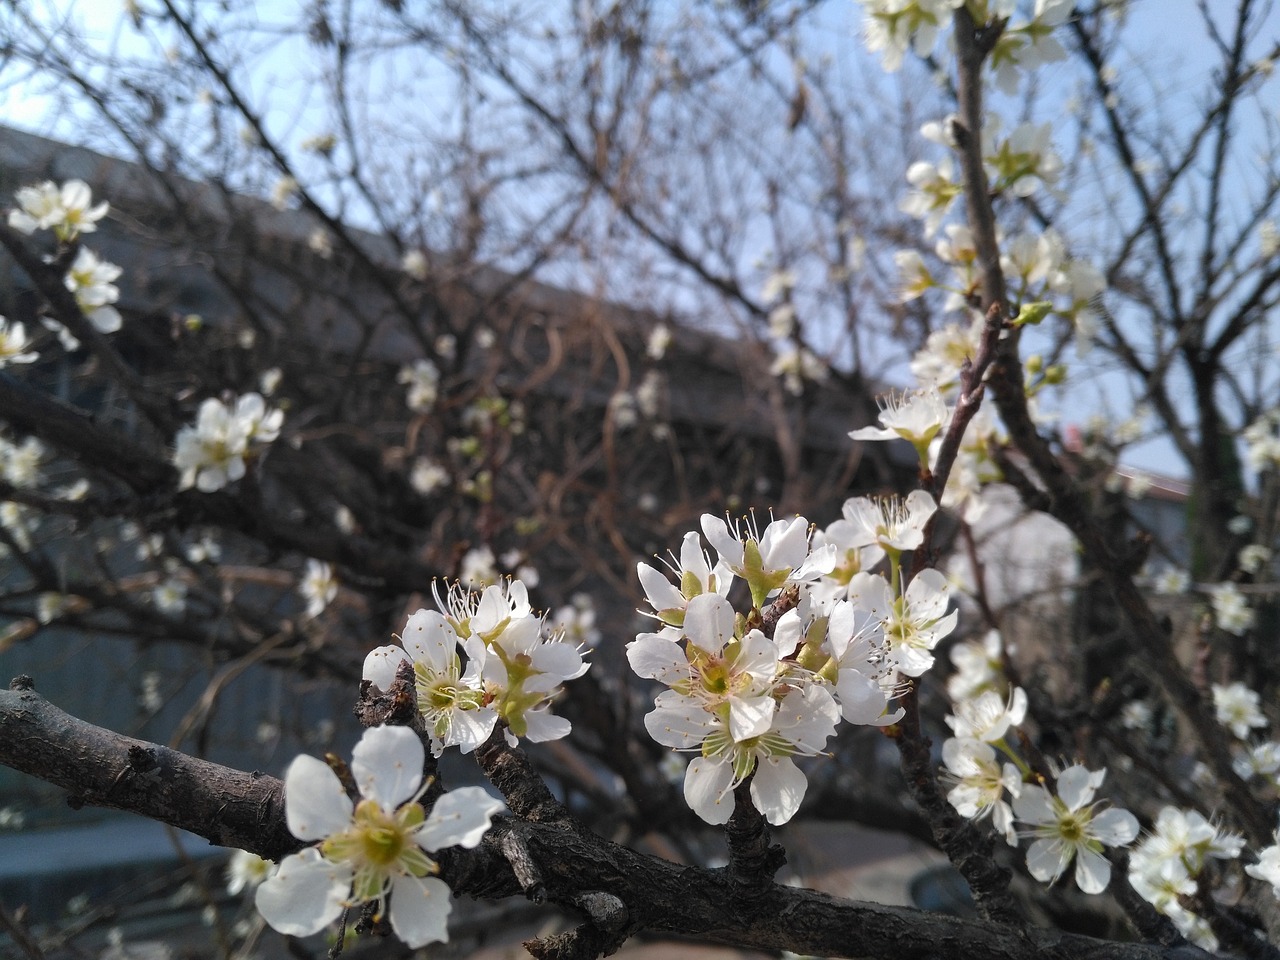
column 68, row 210
column 1238, row 707
column 913, row 623
column 423, row 380
column 714, row 672
column 452, row 702
column 891, row 522
column 211, row 452
column 1231, row 611
column 90, row 279
column 769, row 561
column 891, row 26
column 14, row 344
column 1268, row 867
column 318, row 587
column 375, row 850
column 943, row 355
column 1070, row 826
column 988, row 716
column 936, row 189
column 979, row 666
column 915, row 416
column 980, row 784
column 522, row 668
column 865, row 673
column 804, row 720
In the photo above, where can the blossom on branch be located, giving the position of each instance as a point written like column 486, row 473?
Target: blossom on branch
column 915, row 416
column 423, row 379
column 211, row 452
column 1070, row 826
column 981, row 783
column 66, row 210
column 768, row 561
column 1238, row 708
column 14, row 344
column 373, row 851
column 318, row 587
column 695, row 576
column 90, row 279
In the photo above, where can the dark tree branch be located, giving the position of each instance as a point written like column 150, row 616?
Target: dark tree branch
column 619, row 890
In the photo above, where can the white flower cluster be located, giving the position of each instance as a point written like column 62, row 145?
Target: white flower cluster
column 374, row 851
column 747, row 701
column 892, row 27
column 68, row 211
column 1035, row 263
column 1262, row 442
column 1165, row 866
column 423, row 380
column 211, row 452
column 481, row 658
column 1064, row 823
column 1231, row 610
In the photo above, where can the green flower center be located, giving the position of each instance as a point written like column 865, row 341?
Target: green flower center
column 378, row 846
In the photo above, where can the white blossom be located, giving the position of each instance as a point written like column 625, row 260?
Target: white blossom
column 90, row 279
column 14, row 344
column 1070, row 826
column 374, row 851
column 415, row 264
column 1238, row 708
column 988, row 716
column 68, row 210
column 1231, row 611
column 211, row 452
column 981, row 783
column 246, row 871
column 915, row 416
column 423, row 380
column 318, row 587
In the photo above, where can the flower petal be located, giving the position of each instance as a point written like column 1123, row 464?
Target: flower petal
column 542, row 725
column 679, row 721
column 1077, row 784
column 387, row 765
column 1114, row 827
column 1046, row 859
column 1093, row 872
column 656, row 657
column 708, row 788
column 777, row 789
column 658, row 590
column 1034, row 806
column 750, row 716
column 728, row 546
column 315, row 804
column 709, row 622
column 459, row 819
column 430, row 639
column 420, row 909
column 306, row 894
column 380, row 665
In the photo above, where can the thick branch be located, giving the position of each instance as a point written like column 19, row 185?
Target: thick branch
column 245, row 810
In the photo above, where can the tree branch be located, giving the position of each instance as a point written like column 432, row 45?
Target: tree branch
column 618, row 889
